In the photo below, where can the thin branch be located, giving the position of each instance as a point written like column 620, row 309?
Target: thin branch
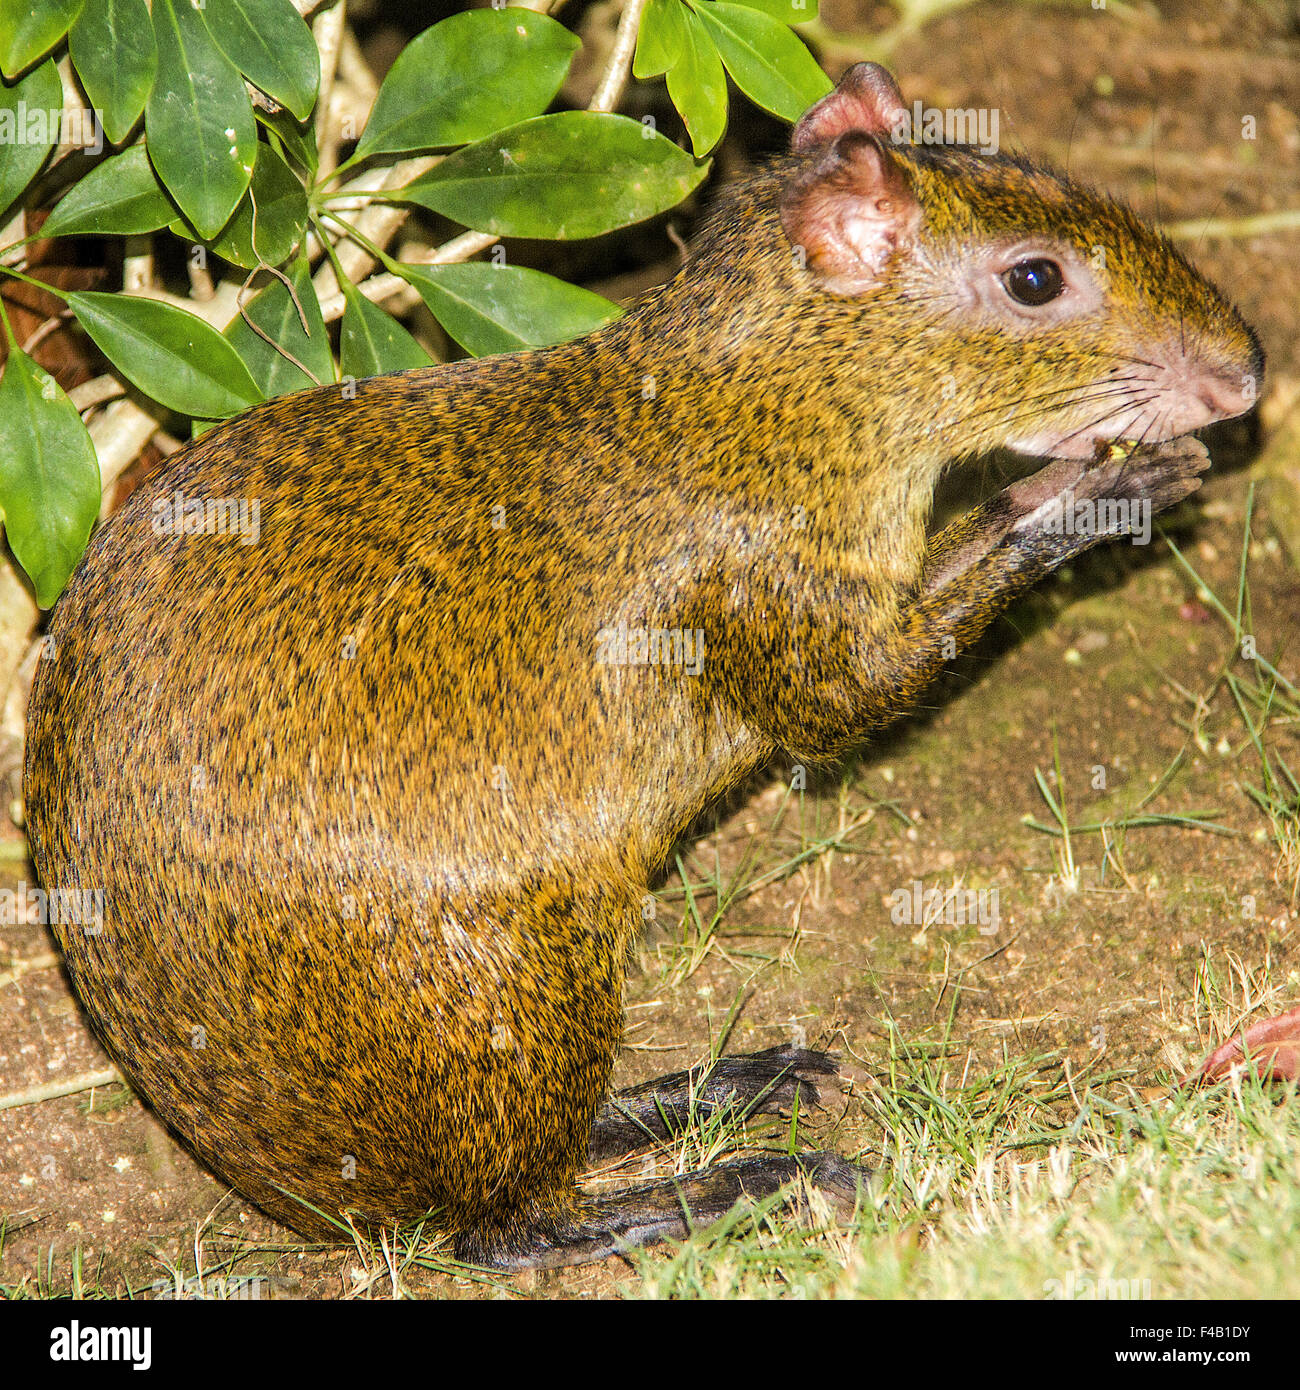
column 327, row 30
column 610, row 92
column 51, row 1090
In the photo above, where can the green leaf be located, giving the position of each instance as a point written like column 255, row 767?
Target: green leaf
column 114, row 52
column 170, row 354
column 274, row 312
column 372, row 342
column 768, row 63
column 297, row 138
column 490, row 308
column 199, row 122
column 467, row 77
column 281, row 216
column 281, row 203
column 29, row 28
column 787, row 11
column 698, row 87
column 49, row 476
column 660, row 39
column 119, row 197
column 28, row 131
column 575, row 174
column 270, row 43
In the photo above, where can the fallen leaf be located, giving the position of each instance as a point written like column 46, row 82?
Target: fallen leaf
column 1270, row 1047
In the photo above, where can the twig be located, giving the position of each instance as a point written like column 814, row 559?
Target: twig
column 327, row 30
column 52, row 1090
column 96, row 391
column 610, row 91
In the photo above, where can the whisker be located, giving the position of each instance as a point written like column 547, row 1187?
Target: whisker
column 1128, row 357
column 1136, row 408
column 1032, row 407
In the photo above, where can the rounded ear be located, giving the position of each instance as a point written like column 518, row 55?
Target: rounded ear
column 849, row 211
column 865, row 99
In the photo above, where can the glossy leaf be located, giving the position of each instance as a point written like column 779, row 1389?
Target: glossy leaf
column 274, row 312
column 767, row 62
column 49, row 476
column 113, row 49
column 466, row 77
column 372, row 341
column 270, row 43
column 29, row 28
column 490, row 308
column 281, row 216
column 199, row 122
column 170, row 354
column 698, row 87
column 660, row 38
column 787, row 11
column 119, row 197
column 28, row 132
column 575, row 174
column 297, row 138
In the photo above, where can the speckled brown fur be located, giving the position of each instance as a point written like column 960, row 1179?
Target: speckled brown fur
column 373, row 825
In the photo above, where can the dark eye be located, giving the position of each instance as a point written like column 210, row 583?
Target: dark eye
column 1034, row 282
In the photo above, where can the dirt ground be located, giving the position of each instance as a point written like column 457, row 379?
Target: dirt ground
column 1148, row 102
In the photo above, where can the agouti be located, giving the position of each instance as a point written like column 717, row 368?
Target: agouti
column 374, row 800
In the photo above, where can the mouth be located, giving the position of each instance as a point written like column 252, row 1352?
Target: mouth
column 1086, row 444
column 1153, row 422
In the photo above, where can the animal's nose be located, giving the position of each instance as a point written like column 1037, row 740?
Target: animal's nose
column 1224, row 396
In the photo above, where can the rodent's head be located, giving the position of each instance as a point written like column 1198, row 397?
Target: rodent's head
column 1052, row 318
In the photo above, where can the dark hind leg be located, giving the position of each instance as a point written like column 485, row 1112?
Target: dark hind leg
column 667, row 1209
column 760, row 1083
column 593, row 1228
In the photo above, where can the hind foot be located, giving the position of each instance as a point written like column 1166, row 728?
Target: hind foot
column 668, row 1208
column 759, row 1083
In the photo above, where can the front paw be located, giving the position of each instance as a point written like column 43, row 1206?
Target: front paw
column 1108, row 497
column 1161, row 474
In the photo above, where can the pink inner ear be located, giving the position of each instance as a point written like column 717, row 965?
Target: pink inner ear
column 867, row 99
column 850, row 212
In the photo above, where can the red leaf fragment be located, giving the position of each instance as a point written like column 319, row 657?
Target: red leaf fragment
column 1272, row 1045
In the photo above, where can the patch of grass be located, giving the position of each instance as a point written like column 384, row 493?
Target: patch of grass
column 1028, row 1182
column 1265, row 701
column 1112, row 829
column 387, row 1262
